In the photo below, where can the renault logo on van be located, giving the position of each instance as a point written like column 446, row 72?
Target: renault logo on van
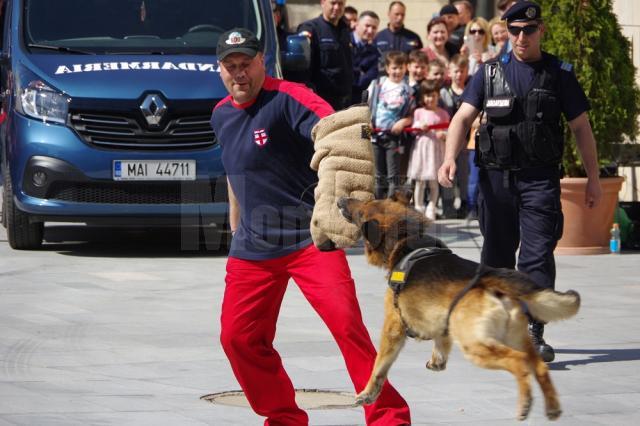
column 153, row 108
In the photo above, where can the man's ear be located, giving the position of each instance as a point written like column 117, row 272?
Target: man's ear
column 402, row 196
column 372, row 233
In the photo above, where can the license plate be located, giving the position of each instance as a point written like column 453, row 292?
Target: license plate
column 154, row 170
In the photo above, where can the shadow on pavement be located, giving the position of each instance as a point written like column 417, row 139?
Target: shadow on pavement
column 595, row 355
column 92, row 241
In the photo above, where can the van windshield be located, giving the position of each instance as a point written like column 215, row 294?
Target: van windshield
column 135, row 26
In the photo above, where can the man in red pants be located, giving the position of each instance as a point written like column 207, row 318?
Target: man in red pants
column 264, row 128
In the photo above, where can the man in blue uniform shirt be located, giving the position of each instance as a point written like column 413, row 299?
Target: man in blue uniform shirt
column 331, row 73
column 519, row 151
column 365, row 54
column 396, row 37
column 264, row 128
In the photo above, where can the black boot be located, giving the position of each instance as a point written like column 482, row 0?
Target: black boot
column 536, row 330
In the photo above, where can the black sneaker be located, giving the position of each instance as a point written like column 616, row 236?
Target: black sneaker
column 536, row 330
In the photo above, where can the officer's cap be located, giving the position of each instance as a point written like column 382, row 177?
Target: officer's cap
column 237, row 40
column 522, row 11
column 448, row 9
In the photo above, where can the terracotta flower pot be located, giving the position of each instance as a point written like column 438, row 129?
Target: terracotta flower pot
column 587, row 231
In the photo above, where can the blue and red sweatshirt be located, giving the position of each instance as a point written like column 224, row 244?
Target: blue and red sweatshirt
column 266, row 150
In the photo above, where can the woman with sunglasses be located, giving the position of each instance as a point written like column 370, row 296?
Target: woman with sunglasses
column 476, row 43
column 524, row 95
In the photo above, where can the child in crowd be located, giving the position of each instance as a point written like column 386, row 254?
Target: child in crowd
column 417, row 72
column 418, row 65
column 390, row 103
column 427, row 152
column 437, row 72
column 451, row 98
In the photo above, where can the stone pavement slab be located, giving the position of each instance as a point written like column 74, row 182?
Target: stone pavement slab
column 103, row 334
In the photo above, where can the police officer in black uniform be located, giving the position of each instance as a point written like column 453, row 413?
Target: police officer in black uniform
column 519, row 148
column 396, row 37
column 331, row 73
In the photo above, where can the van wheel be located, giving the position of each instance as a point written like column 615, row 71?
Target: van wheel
column 22, row 234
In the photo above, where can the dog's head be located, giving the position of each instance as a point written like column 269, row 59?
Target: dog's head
column 384, row 224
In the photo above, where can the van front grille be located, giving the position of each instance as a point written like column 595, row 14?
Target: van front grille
column 125, row 132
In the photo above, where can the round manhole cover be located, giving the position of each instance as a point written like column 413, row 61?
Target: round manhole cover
column 308, row 399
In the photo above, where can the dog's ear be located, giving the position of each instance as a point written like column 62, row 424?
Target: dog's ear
column 372, row 233
column 402, row 196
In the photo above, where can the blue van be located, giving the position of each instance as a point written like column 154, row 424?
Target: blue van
column 107, row 108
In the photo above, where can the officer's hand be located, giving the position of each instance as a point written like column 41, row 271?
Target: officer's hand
column 447, row 173
column 593, row 193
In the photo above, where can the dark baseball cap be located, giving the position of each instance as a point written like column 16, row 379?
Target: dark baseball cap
column 237, row 40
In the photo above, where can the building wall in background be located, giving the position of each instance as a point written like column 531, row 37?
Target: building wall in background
column 628, row 12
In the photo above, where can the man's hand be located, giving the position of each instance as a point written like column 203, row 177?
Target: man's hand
column 456, row 141
column 593, row 193
column 447, row 173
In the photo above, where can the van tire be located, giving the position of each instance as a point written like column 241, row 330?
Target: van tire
column 21, row 233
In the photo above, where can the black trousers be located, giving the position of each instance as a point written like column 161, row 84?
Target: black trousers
column 522, row 209
column 387, row 159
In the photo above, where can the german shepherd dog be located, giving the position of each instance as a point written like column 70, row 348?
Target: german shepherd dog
column 489, row 321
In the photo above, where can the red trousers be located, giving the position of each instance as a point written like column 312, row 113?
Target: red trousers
column 252, row 299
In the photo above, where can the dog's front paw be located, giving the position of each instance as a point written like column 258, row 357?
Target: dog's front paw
column 436, row 365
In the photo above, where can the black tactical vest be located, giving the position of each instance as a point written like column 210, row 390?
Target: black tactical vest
column 520, row 132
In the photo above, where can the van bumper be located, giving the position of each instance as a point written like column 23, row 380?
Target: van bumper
column 78, row 181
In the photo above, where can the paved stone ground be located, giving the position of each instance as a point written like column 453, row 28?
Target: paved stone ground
column 107, row 333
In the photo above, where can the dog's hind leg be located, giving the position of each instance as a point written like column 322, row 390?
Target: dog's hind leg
column 391, row 342
column 440, row 353
column 496, row 356
column 541, row 371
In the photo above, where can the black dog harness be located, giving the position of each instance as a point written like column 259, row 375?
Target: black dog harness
column 400, row 275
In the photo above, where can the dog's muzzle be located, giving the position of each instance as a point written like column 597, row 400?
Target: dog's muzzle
column 343, row 205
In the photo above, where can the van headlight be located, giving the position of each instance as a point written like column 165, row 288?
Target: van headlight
column 39, row 101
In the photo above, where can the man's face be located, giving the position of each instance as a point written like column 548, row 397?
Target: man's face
column 526, row 47
column 417, row 70
column 352, row 19
column 332, row 10
column 464, row 14
column 451, row 20
column 396, row 16
column 367, row 28
column 243, row 76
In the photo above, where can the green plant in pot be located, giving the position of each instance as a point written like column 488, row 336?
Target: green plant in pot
column 586, row 34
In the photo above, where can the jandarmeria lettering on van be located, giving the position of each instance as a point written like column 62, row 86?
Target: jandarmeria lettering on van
column 125, row 66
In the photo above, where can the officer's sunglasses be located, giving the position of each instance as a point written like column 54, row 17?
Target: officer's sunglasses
column 527, row 29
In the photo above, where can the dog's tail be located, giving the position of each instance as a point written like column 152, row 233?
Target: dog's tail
column 544, row 305
column 549, row 305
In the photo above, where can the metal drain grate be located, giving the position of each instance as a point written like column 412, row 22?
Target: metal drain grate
column 308, row 399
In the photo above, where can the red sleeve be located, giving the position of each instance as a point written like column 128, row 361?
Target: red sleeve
column 301, row 94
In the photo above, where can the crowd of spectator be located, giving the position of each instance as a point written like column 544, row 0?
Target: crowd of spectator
column 413, row 89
